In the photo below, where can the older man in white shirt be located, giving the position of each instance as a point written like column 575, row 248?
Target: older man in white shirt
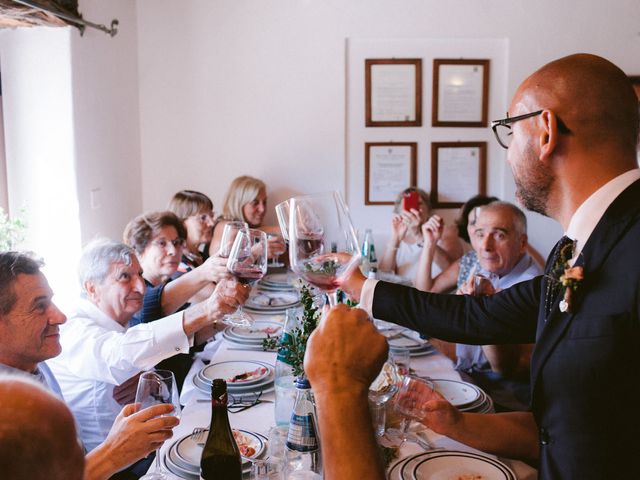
column 99, row 352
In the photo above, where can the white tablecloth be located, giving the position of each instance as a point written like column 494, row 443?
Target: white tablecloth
column 261, row 417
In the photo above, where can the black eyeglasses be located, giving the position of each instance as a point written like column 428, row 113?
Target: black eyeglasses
column 502, row 128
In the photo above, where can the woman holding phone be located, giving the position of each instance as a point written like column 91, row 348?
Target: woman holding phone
column 413, row 209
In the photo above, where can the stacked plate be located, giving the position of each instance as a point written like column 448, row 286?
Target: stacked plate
column 242, row 376
column 252, row 336
column 271, row 302
column 465, row 396
column 446, row 464
column 276, row 281
column 405, row 338
column 183, row 457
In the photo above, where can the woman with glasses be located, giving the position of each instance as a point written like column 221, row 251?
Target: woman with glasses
column 158, row 239
column 195, row 210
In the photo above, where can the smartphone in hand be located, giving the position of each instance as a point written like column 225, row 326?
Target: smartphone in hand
column 411, row 200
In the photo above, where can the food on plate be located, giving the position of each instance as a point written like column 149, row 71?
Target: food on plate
column 467, row 476
column 244, row 376
column 244, row 444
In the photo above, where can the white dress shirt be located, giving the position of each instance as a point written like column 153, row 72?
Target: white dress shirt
column 587, row 216
column 98, row 353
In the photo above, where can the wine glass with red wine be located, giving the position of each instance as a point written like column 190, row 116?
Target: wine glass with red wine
column 323, row 247
column 248, row 263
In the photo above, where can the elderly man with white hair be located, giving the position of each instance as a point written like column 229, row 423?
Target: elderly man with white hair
column 99, row 351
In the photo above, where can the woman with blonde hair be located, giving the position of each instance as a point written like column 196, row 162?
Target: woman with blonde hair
column 246, row 201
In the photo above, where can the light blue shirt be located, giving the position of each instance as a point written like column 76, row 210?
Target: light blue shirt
column 472, row 356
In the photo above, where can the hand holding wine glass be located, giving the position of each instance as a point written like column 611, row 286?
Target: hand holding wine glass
column 158, row 387
column 248, row 263
column 410, row 402
column 323, row 247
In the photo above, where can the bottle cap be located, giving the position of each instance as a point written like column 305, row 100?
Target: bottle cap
column 302, row 383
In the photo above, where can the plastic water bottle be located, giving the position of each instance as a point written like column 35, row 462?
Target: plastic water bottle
column 369, row 259
column 302, row 450
column 284, row 378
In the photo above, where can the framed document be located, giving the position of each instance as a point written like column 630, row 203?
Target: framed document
column 460, row 93
column 389, row 168
column 393, row 92
column 458, row 172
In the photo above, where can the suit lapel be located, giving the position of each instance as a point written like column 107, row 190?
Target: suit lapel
column 613, row 224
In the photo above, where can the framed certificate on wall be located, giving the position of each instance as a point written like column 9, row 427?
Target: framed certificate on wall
column 389, row 168
column 393, row 92
column 460, row 93
column 458, row 172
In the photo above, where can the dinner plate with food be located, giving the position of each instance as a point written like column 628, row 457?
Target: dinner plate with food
column 236, row 372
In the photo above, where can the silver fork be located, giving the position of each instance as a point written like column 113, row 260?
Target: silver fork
column 199, row 435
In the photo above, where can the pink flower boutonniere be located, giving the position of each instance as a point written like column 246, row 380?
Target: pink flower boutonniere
column 570, row 280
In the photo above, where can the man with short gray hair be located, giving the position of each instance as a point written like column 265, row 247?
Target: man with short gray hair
column 100, row 352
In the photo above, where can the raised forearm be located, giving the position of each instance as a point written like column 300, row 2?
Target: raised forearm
column 100, row 465
column 424, row 280
column 388, row 261
column 345, row 426
column 177, row 292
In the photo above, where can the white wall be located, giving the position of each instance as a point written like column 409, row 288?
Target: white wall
column 229, row 87
column 71, row 121
column 106, row 120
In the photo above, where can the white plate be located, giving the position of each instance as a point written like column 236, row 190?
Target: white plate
column 256, row 333
column 266, row 384
column 186, row 452
column 407, row 342
column 444, row 465
column 457, row 393
column 230, row 369
column 277, row 280
column 272, row 300
column 394, row 471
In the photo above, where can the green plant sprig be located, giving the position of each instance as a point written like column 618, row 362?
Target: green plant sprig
column 294, row 345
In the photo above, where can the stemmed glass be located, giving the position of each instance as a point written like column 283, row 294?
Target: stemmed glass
column 229, row 234
column 155, row 387
column 248, row 262
column 275, row 262
column 381, row 390
column 409, row 402
column 323, row 248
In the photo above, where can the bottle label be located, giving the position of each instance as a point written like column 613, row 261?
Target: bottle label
column 284, row 351
column 302, row 434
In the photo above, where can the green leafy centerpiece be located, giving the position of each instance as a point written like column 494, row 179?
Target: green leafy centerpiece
column 294, row 345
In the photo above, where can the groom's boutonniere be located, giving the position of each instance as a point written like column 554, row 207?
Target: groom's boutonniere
column 570, row 280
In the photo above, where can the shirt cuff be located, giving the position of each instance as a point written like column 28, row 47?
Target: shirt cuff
column 366, row 296
column 169, row 331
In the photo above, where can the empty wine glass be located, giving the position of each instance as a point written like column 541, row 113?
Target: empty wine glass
column 229, row 234
column 282, row 212
column 410, row 402
column 275, row 262
column 156, row 387
column 248, row 263
column 323, row 248
column 381, row 390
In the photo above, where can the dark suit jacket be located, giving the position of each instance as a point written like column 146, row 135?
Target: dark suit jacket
column 585, row 394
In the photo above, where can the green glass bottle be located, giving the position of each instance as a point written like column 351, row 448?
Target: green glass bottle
column 220, row 456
